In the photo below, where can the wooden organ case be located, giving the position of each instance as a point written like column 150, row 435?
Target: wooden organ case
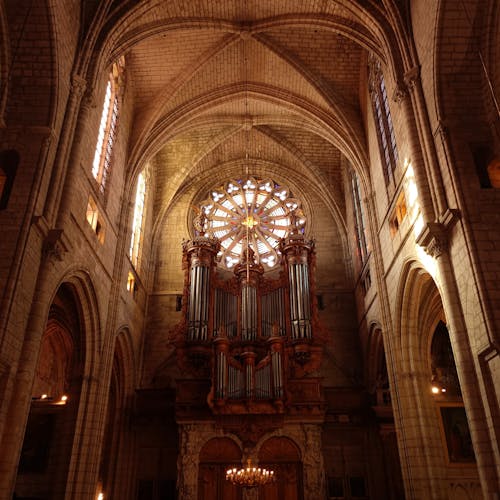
column 249, row 347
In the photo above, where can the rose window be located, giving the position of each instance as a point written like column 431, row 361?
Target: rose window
column 251, row 212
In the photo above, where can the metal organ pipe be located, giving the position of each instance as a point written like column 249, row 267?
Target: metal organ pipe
column 297, row 252
column 198, row 304
column 248, row 312
column 221, row 376
column 273, row 312
column 263, row 382
column 302, row 312
column 276, row 368
column 201, row 254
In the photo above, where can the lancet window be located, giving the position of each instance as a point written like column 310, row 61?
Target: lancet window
column 138, row 220
column 359, row 218
column 383, row 121
column 107, row 131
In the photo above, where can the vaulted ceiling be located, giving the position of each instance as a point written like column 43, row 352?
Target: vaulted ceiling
column 273, row 89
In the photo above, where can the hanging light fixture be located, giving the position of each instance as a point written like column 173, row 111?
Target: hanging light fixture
column 250, row 476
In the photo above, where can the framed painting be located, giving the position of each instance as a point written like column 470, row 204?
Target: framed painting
column 456, row 434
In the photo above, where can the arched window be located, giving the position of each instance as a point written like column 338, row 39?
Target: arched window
column 137, row 223
column 107, row 132
column 383, row 121
column 363, row 246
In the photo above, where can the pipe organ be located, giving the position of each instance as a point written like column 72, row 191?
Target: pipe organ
column 251, row 336
column 248, row 330
column 249, row 345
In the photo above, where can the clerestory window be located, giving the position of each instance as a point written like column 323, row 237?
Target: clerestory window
column 359, row 219
column 383, row 122
column 138, row 221
column 101, row 165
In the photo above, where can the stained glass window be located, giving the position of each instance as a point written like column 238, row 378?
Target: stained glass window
column 107, row 133
column 359, row 219
column 383, row 121
column 254, row 212
column 137, row 223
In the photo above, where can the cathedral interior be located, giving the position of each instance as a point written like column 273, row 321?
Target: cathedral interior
column 252, row 249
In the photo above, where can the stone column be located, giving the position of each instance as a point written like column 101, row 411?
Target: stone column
column 192, row 438
column 427, row 197
column 314, row 473
column 435, row 242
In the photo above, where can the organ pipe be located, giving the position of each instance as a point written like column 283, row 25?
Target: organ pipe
column 200, row 254
column 297, row 253
column 250, row 322
column 249, row 312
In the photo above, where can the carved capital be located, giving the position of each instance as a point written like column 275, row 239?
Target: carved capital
column 53, row 247
column 400, row 94
column 437, row 246
column 78, row 85
column 88, row 101
column 412, row 77
column 433, row 239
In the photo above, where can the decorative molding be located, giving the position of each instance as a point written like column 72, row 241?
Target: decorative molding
column 88, row 100
column 54, row 247
column 411, row 77
column 400, row 93
column 449, row 218
column 433, row 239
column 78, row 85
column 441, row 129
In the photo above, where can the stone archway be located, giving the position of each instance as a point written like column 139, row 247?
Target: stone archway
column 216, row 456
column 283, row 456
column 48, row 439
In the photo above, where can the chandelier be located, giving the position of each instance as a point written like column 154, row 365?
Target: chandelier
column 250, row 476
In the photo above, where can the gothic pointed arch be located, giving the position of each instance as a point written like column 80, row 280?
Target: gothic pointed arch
column 56, row 397
column 118, row 444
